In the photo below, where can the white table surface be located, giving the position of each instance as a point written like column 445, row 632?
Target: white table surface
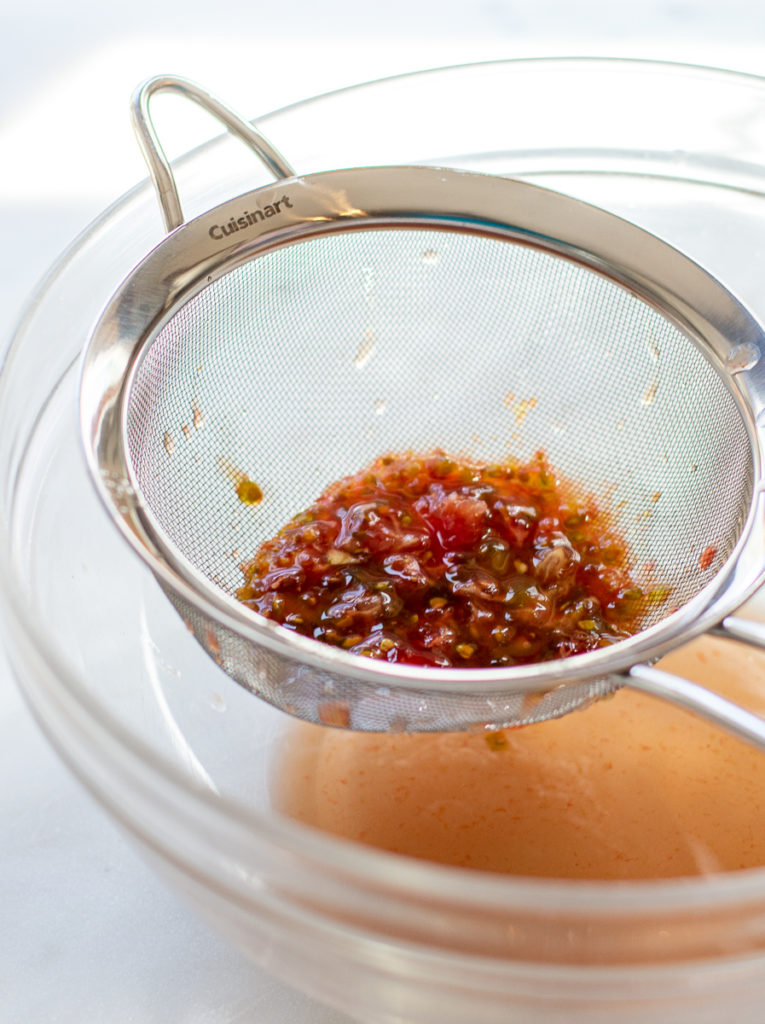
column 87, row 933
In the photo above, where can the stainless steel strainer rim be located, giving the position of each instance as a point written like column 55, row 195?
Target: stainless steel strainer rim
column 369, row 197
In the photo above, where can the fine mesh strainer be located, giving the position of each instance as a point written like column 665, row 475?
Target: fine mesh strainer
column 294, row 333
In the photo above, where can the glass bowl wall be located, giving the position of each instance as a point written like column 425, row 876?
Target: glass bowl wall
column 181, row 756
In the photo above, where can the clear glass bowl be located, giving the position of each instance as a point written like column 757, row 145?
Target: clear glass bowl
column 181, row 756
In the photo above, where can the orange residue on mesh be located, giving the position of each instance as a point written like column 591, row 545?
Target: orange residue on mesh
column 520, row 407
column 248, row 492
column 707, row 557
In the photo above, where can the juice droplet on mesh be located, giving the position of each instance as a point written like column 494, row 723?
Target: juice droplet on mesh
column 248, row 492
column 168, row 442
column 650, row 392
column 336, row 713
column 212, row 643
column 366, row 349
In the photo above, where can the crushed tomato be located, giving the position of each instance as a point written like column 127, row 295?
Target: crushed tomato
column 431, row 560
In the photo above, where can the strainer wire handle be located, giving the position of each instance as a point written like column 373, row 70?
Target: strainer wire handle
column 154, row 155
column 693, row 697
column 744, row 630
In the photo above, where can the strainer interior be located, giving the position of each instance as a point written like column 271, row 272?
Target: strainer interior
column 304, row 364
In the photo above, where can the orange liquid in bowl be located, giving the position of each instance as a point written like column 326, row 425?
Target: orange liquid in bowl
column 631, row 788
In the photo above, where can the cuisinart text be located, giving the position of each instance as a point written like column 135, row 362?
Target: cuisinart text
column 219, row 231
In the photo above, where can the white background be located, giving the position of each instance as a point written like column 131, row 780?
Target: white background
column 86, row 932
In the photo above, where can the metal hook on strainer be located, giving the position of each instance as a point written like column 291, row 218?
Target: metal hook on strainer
column 263, row 335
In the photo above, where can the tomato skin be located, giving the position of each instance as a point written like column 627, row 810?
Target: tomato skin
column 457, row 519
column 431, row 560
column 376, row 527
column 516, row 524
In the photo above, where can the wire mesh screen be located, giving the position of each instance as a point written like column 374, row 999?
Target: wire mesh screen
column 304, row 364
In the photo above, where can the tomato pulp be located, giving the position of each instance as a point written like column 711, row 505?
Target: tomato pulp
column 433, row 560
